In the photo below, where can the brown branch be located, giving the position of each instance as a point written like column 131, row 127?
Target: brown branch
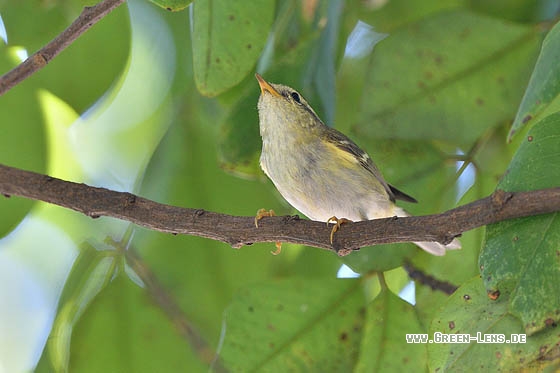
column 240, row 230
column 89, row 17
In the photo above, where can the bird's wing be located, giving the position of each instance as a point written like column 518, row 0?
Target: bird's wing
column 342, row 142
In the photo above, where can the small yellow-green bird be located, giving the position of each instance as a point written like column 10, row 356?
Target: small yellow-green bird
column 320, row 171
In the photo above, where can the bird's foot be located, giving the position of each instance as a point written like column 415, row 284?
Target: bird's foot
column 337, row 223
column 261, row 214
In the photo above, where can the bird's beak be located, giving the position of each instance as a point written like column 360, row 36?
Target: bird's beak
column 266, row 87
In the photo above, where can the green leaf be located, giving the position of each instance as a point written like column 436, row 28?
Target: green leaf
column 172, row 5
column 384, row 348
column 294, row 324
column 521, row 255
column 239, row 140
column 469, row 311
column 516, row 10
column 125, row 331
column 228, row 38
column 427, row 84
column 542, row 96
column 391, row 15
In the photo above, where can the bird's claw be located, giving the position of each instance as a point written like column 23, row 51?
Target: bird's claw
column 261, row 214
column 337, row 223
column 278, row 248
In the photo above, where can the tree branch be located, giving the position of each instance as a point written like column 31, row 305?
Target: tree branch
column 240, row 230
column 89, row 17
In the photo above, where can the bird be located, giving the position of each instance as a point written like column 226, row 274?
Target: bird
column 319, row 170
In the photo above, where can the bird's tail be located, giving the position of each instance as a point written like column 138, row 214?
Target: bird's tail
column 434, row 248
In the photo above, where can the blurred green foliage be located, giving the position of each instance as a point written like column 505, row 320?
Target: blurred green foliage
column 163, row 104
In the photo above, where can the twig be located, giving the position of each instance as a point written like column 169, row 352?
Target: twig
column 240, row 230
column 428, row 280
column 89, row 17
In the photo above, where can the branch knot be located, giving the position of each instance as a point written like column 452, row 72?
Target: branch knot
column 500, row 198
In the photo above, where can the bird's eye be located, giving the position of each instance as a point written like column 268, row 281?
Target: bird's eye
column 296, row 98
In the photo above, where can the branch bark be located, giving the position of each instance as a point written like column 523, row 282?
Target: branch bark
column 89, row 17
column 238, row 231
